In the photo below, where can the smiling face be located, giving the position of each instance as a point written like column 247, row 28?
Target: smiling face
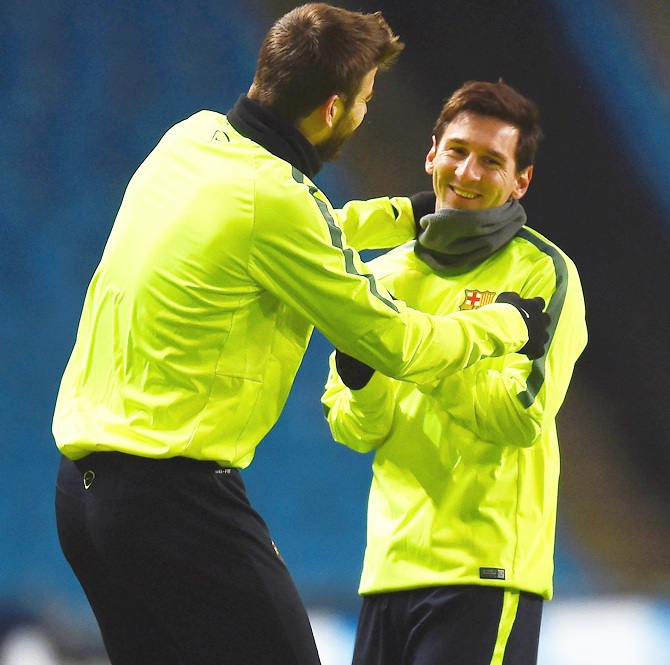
column 474, row 166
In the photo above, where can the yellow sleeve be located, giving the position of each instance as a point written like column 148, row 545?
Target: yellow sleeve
column 360, row 419
column 310, row 266
column 377, row 223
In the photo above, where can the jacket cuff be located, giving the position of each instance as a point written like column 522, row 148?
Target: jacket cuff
column 376, row 388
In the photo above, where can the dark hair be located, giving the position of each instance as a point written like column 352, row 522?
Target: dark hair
column 497, row 100
column 316, row 51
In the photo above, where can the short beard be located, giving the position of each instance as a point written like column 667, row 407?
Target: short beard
column 331, row 149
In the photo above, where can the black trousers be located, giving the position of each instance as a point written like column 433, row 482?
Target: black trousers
column 179, row 569
column 449, row 625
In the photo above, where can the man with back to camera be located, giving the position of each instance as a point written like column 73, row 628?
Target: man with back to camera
column 462, row 507
column 222, row 257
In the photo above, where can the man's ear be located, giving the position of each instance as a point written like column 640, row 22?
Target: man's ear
column 522, row 182
column 330, row 110
column 318, row 124
column 430, row 157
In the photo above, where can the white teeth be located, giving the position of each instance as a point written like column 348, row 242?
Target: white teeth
column 464, row 194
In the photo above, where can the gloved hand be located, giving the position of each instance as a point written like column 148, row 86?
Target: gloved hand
column 354, row 373
column 535, row 319
column 423, row 203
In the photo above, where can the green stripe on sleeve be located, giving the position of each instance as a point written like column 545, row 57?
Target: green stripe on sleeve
column 554, row 309
column 336, row 240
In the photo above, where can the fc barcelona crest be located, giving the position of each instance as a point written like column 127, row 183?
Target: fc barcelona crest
column 475, row 299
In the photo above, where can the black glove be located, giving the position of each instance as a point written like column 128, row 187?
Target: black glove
column 354, row 373
column 535, row 319
column 423, row 203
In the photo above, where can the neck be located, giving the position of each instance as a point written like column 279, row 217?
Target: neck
column 277, row 136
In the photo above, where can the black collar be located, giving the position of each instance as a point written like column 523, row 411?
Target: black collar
column 280, row 138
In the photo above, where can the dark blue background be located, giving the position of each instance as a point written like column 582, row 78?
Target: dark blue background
column 88, row 88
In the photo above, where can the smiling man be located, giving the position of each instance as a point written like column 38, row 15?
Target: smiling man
column 473, row 165
column 462, row 508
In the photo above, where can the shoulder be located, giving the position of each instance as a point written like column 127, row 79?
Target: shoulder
column 532, row 255
column 534, row 243
column 554, row 269
column 203, row 126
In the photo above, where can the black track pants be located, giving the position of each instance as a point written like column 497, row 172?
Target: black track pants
column 177, row 566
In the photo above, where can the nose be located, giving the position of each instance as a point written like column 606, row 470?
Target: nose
column 468, row 169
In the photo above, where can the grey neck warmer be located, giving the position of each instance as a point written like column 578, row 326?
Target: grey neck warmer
column 454, row 241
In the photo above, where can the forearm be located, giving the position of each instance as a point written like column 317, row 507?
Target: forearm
column 430, row 348
column 377, row 223
column 486, row 402
column 360, row 419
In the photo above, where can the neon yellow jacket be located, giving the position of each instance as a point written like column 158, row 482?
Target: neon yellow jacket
column 465, row 478
column 221, row 259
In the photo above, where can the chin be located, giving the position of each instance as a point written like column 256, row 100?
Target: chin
column 331, row 157
column 466, row 204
